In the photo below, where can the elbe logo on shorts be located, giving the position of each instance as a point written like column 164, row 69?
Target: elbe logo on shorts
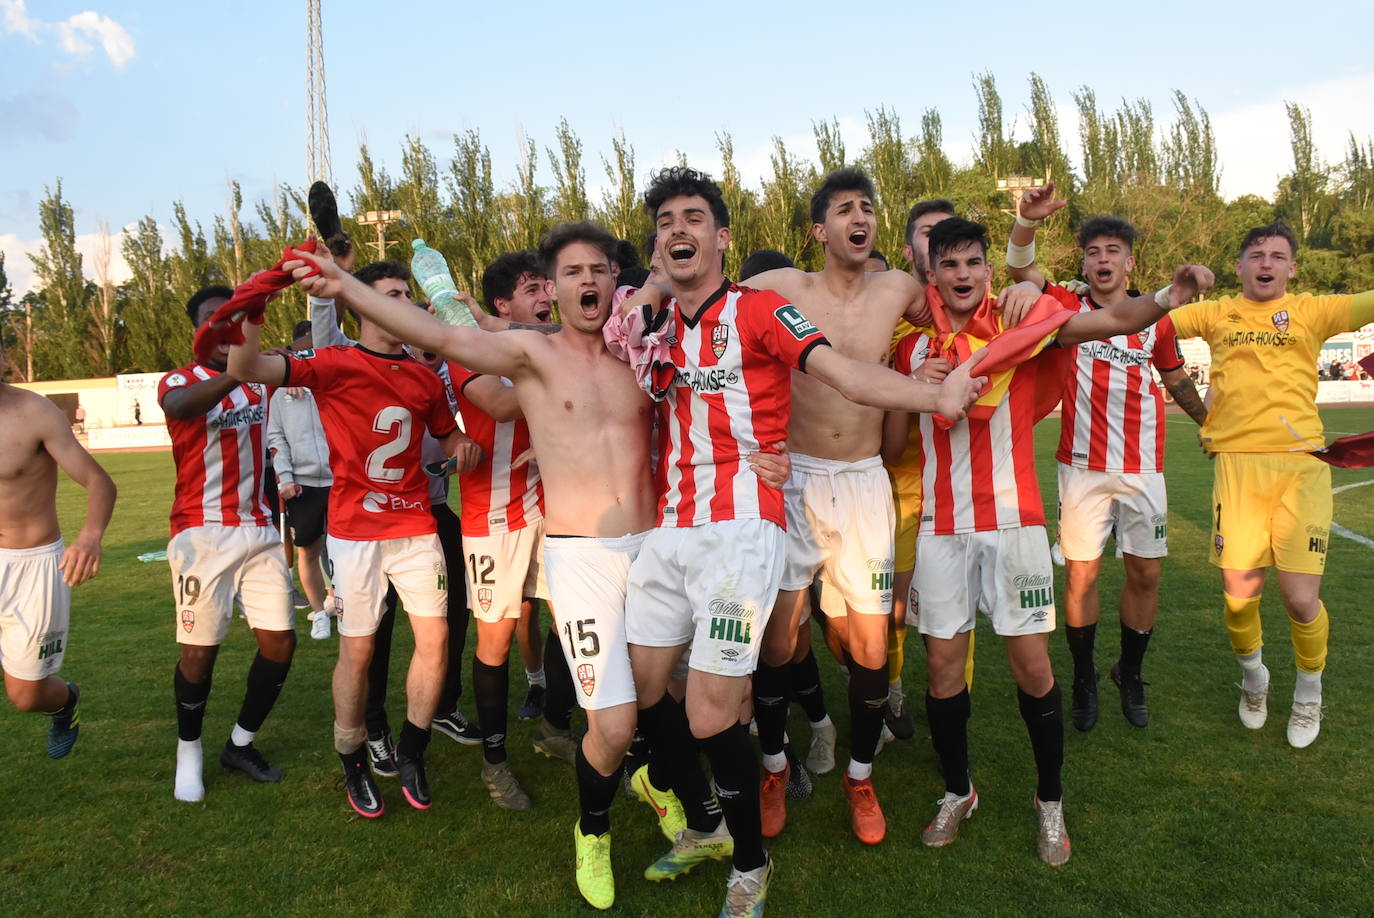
column 484, row 598
column 586, row 675
column 720, row 340
column 188, row 620
column 799, row 325
column 1280, row 320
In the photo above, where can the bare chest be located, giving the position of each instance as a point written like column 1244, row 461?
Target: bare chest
column 860, row 328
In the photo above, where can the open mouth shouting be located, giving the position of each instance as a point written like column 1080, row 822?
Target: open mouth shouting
column 543, row 314
column 589, row 302
column 681, row 252
column 859, row 238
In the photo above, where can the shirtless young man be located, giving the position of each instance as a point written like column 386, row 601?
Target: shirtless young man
column 36, row 572
column 840, row 518
column 590, row 425
column 708, row 575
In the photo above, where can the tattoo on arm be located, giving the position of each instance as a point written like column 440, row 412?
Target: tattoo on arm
column 1186, row 397
column 544, row 328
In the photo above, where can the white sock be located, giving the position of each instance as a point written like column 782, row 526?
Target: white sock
column 189, row 785
column 1254, row 674
column 859, row 771
column 316, row 613
column 895, row 685
column 775, row 762
column 1308, row 688
column 823, row 722
column 536, row 678
column 240, row 737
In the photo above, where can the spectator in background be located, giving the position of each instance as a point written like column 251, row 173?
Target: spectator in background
column 300, row 457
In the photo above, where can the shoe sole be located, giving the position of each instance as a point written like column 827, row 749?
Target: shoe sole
column 244, row 771
column 381, row 773
column 457, row 737
column 63, row 747
column 413, row 801
column 670, row 877
column 362, row 812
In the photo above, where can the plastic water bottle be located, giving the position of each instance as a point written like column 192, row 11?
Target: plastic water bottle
column 431, row 273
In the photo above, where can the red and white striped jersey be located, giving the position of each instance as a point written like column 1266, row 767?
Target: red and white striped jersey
column 979, row 475
column 731, row 396
column 374, row 408
column 1112, row 414
column 496, row 497
column 220, row 457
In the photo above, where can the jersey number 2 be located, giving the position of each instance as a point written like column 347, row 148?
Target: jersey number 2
column 396, row 418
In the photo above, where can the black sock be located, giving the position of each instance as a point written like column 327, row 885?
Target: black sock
column 558, row 692
column 379, row 670
column 265, row 679
column 736, row 771
column 491, row 688
column 949, row 735
column 1044, row 719
column 806, row 687
column 1133, row 645
column 772, row 687
column 190, row 698
column 413, row 742
column 1080, row 641
column 595, row 794
column 867, row 696
column 673, row 756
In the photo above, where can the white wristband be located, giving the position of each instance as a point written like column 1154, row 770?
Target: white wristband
column 1162, row 296
column 1020, row 256
column 1028, row 224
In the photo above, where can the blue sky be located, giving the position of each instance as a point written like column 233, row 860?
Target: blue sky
column 135, row 105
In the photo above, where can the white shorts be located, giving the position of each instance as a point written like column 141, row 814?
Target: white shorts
column 212, row 565
column 1006, row 573
column 1092, row 503
column 712, row 586
column 503, row 569
column 840, row 524
column 361, row 570
column 35, row 608
column 587, row 584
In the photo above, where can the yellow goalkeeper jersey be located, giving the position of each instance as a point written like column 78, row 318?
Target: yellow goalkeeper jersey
column 1264, row 366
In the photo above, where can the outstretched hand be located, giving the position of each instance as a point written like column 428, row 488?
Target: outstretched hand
column 1039, row 203
column 961, row 388
column 1190, row 282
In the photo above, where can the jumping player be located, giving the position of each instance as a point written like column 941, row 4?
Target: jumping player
column 223, row 547
column 1271, row 499
column 37, row 571
column 1110, row 456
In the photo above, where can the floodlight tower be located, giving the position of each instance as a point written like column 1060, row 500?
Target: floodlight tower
column 317, row 166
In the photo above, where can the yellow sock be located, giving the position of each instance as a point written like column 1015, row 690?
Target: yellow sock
column 1243, row 624
column 968, row 663
column 896, row 656
column 1309, row 641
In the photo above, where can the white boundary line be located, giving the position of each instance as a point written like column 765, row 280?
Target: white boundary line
column 1341, row 530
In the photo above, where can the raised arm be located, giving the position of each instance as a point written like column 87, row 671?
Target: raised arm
column 248, row 363
column 81, row 561
column 879, row 387
column 485, row 352
column 1035, row 206
column 1129, row 316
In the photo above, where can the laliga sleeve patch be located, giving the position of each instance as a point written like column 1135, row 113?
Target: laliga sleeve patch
column 304, row 353
column 175, row 381
column 796, row 323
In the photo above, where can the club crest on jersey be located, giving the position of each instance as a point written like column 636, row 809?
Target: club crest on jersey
column 720, row 339
column 1218, row 543
column 484, row 598
column 799, row 325
column 1280, row 320
column 586, row 675
column 188, row 620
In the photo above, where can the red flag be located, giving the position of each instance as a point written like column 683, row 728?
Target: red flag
column 249, row 302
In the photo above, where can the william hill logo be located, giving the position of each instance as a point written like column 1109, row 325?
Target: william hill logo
column 730, row 621
column 1036, row 590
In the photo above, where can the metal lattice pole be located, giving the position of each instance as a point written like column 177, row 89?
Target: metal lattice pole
column 317, row 165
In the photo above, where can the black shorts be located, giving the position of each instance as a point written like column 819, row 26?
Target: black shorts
column 305, row 514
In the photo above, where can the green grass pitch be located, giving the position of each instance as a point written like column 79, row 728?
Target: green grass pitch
column 1193, row 815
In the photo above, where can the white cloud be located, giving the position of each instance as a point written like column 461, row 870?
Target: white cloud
column 74, row 34
column 19, row 268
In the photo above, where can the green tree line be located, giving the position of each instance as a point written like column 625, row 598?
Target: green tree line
column 1162, row 174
